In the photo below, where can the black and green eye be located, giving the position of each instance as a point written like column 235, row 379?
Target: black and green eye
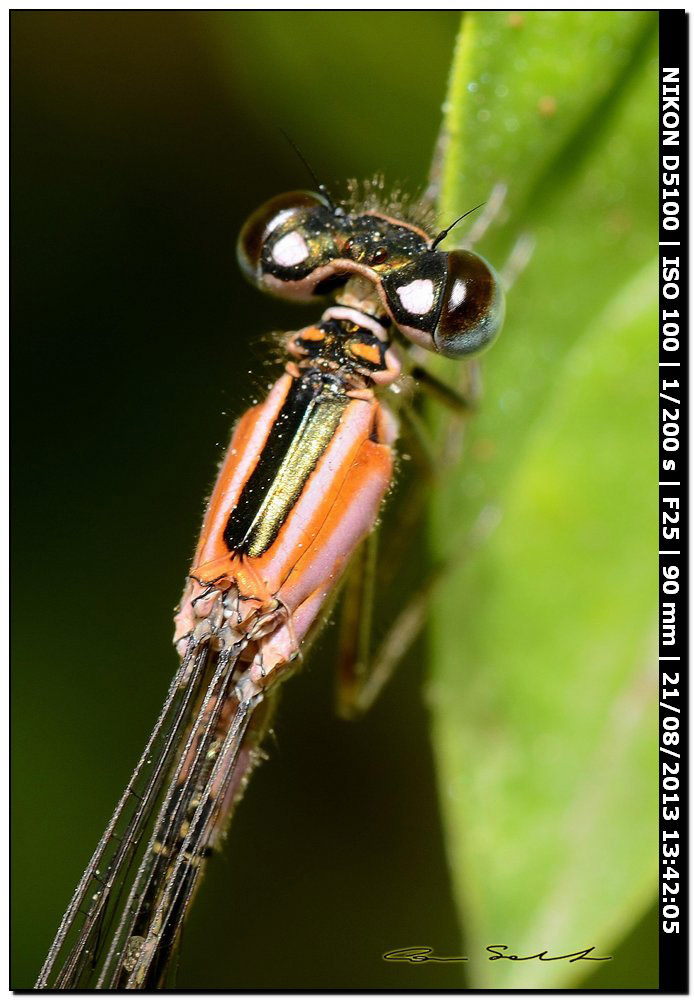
column 412, row 295
column 472, row 307
column 285, row 246
column 450, row 303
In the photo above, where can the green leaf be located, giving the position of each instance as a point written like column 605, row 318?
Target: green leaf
column 543, row 689
column 528, row 92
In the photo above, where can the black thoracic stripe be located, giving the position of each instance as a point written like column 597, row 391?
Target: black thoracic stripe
column 302, row 431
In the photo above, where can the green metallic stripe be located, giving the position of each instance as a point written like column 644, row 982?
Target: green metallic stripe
column 313, row 436
column 315, row 433
column 298, row 437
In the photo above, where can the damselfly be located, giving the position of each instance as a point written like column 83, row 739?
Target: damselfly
column 297, row 496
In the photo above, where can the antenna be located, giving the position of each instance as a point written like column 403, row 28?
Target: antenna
column 444, row 232
column 319, row 187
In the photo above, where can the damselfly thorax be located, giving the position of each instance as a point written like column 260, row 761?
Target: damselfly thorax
column 299, row 490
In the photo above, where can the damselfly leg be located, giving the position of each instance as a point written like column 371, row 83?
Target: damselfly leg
column 363, row 671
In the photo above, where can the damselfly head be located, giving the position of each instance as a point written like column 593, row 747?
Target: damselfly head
column 298, row 246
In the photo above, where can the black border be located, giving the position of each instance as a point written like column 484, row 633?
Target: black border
column 674, row 485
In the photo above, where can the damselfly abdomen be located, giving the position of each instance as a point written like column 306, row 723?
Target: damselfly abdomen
column 299, row 490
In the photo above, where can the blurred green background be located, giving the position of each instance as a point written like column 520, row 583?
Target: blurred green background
column 140, row 142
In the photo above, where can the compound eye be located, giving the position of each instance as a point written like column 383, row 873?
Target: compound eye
column 472, row 309
column 284, row 241
column 412, row 294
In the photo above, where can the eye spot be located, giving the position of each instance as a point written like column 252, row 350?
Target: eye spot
column 379, row 256
column 457, row 294
column 290, row 250
column 418, row 296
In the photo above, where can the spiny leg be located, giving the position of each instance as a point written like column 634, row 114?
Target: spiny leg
column 454, row 399
column 517, row 261
column 461, row 401
column 361, row 677
column 418, row 436
column 433, row 460
column 355, row 628
column 367, row 675
column 491, row 214
column 470, row 387
column 411, row 503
